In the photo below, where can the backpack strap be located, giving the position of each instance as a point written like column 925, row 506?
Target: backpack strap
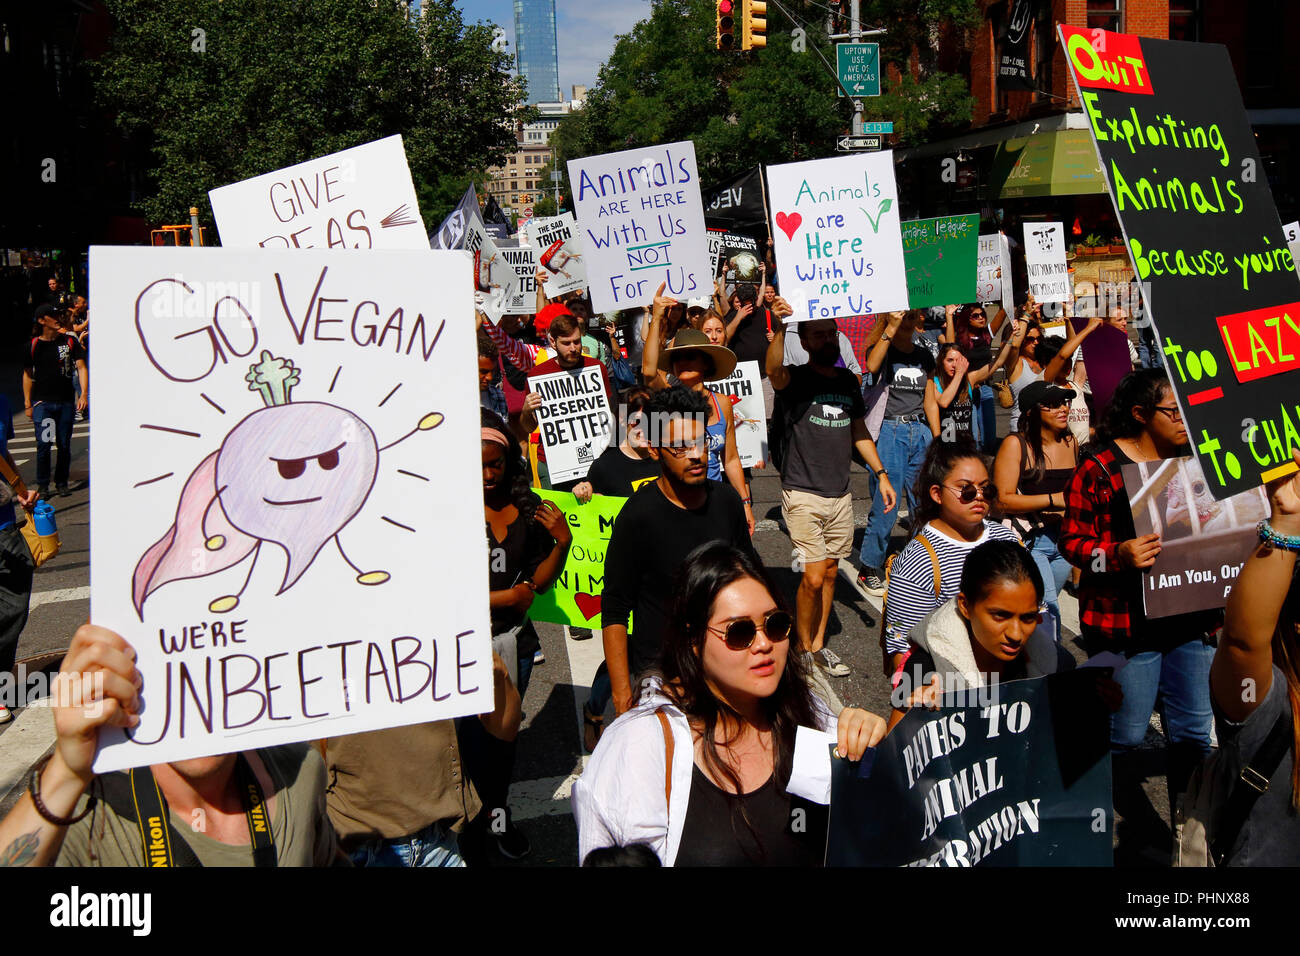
column 1249, row 786
column 668, row 753
column 934, row 563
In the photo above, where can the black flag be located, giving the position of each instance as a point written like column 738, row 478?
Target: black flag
column 451, row 234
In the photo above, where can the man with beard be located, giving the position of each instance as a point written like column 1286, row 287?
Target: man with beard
column 825, row 420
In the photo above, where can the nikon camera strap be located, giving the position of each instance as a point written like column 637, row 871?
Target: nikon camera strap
column 138, row 798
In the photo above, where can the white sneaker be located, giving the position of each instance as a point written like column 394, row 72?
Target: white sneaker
column 5, row 715
column 831, row 662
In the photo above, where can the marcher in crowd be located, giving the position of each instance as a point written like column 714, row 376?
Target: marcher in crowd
column 718, row 729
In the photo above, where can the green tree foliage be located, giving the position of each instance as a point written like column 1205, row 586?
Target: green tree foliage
column 229, row 89
column 666, row 82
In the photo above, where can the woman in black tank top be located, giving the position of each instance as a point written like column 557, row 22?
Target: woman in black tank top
column 1037, row 461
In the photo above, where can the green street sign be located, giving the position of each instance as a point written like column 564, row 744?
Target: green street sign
column 858, row 66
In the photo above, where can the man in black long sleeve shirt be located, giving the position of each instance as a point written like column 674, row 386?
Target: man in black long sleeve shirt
column 658, row 527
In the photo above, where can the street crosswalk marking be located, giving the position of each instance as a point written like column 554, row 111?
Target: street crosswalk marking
column 59, row 595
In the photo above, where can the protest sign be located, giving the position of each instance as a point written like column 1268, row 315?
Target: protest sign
column 574, row 418
column 745, row 389
column 642, row 225
column 941, row 259
column 988, row 278
column 1292, row 232
column 281, row 435
column 714, row 242
column 1008, row 277
column 494, row 277
column 1203, row 542
column 523, row 260
column 1016, row 774
column 1199, row 221
column 741, row 262
column 358, row 198
column 574, row 598
column 1049, row 275
column 559, row 252
column 837, row 236
column 1106, row 359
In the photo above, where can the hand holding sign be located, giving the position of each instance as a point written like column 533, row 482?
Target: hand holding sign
column 1284, row 496
column 1140, row 552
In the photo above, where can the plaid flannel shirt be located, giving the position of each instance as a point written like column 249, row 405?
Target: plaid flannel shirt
column 1088, row 536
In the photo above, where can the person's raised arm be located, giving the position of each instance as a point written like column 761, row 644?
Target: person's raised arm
column 950, row 393
column 774, row 361
column 719, row 296
column 949, row 333
column 520, row 354
column 876, row 357
column 98, row 685
column 1066, row 353
column 650, row 371
column 539, row 279
column 1242, row 672
column 996, row 321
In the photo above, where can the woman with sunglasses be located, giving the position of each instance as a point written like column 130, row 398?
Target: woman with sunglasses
column 699, row 769
column 1026, row 333
column 1170, row 656
column 1034, row 467
column 990, row 631
column 694, row 359
column 954, row 497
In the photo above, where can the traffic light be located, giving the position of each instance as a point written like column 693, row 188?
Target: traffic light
column 753, row 26
column 726, row 24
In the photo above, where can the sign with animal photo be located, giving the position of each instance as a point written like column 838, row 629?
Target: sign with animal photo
column 1203, row 542
column 523, row 260
column 495, row 279
column 559, row 252
column 574, row 598
column 280, row 438
column 574, row 419
column 1192, row 195
column 642, row 225
column 358, row 198
column 942, row 260
column 744, row 388
column 1049, row 275
column 837, row 236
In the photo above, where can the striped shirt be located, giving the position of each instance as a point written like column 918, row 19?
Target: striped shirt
column 911, row 579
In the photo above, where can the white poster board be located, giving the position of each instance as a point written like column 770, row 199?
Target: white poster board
column 574, row 419
column 1008, row 277
column 559, row 252
column 1049, row 275
column 523, row 260
column 358, row 198
column 494, row 277
column 1292, row 232
column 837, row 236
column 988, row 280
column 642, row 225
column 289, row 441
column 744, row 388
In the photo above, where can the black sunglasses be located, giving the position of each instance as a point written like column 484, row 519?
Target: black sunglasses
column 739, row 634
column 968, row 493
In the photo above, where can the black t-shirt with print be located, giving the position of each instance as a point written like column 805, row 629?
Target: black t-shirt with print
column 51, row 365
column 819, row 410
column 906, row 374
column 613, row 473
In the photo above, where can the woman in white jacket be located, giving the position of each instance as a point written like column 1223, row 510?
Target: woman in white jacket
column 724, row 717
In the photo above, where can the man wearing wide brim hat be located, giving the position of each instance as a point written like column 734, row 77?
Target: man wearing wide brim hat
column 692, row 341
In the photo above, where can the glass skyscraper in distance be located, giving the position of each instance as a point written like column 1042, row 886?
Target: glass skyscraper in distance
column 536, row 55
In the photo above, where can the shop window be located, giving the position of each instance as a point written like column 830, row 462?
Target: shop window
column 1106, row 15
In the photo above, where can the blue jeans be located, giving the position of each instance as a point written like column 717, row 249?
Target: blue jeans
column 601, row 691
column 435, row 845
column 987, row 412
column 902, row 447
column 1054, row 569
column 56, row 418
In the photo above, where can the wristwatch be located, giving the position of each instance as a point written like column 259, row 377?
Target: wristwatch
column 882, row 473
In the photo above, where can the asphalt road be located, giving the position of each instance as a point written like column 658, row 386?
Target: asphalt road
column 550, row 752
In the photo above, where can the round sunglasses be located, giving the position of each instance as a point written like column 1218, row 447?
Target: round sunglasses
column 968, row 492
column 739, row 634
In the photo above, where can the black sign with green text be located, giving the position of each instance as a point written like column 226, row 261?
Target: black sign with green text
column 1205, row 238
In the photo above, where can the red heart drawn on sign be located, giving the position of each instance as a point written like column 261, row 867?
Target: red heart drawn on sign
column 789, row 224
column 588, row 604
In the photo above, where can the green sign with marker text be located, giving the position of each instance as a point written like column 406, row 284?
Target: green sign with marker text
column 942, row 260
column 574, row 598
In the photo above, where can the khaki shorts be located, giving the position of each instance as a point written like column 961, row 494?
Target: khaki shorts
column 820, row 528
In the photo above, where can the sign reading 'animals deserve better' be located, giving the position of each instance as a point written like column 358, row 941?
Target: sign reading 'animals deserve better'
column 281, row 435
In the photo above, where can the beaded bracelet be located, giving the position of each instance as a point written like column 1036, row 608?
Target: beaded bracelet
column 1285, row 542
column 34, row 791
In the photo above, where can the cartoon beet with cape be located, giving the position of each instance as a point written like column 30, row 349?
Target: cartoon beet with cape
column 292, row 473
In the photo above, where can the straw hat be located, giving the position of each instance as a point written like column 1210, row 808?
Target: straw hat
column 691, row 340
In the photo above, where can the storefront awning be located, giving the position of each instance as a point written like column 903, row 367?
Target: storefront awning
column 1061, row 163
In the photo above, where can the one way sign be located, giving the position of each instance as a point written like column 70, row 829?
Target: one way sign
column 848, row 144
